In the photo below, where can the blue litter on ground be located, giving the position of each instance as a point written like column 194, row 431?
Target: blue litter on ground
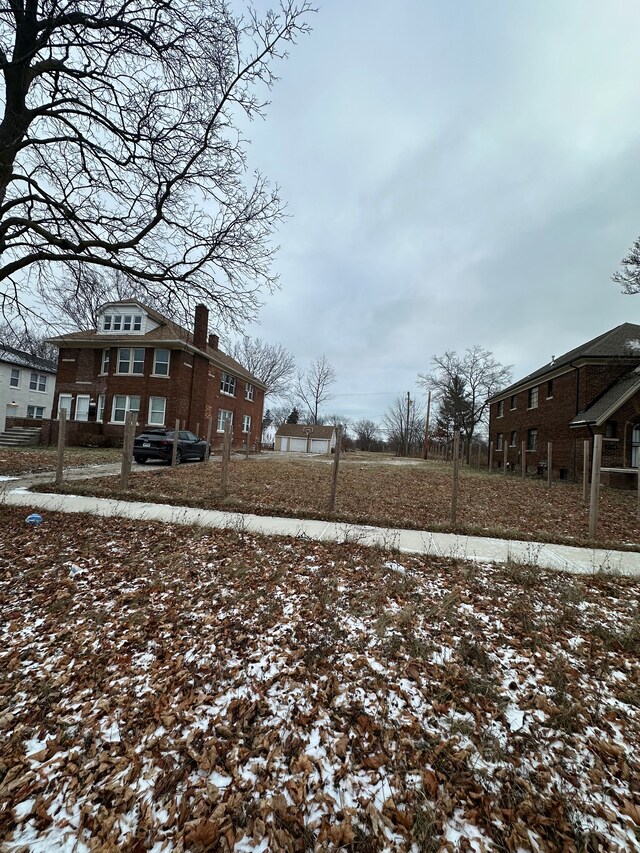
column 34, row 519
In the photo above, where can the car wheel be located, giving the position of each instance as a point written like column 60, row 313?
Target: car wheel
column 178, row 456
column 140, row 459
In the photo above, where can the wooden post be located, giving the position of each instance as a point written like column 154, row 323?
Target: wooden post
column 62, row 437
column 638, row 470
column 336, row 462
column 490, row 456
column 585, row 472
column 454, row 490
column 595, row 485
column 504, row 456
column 549, row 465
column 174, row 452
column 226, row 455
column 408, row 406
column 209, row 428
column 523, row 459
column 127, row 448
column 425, row 449
column 479, row 451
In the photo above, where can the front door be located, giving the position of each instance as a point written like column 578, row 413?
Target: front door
column 635, row 446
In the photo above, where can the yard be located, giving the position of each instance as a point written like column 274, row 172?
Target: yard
column 167, row 688
column 391, row 493
column 32, row 460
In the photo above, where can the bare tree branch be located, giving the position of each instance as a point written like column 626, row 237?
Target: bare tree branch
column 271, row 363
column 120, row 148
column 313, row 386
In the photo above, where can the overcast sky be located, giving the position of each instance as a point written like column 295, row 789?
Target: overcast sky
column 456, row 174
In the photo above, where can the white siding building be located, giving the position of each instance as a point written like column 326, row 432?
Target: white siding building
column 27, row 384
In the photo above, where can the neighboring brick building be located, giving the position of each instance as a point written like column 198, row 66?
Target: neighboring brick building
column 138, row 360
column 593, row 388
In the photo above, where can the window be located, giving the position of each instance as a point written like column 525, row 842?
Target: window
column 64, row 402
column 500, row 409
column 157, row 407
column 512, row 403
column 106, row 322
column 106, row 357
column 549, row 389
column 122, row 322
column 131, row 360
column 223, row 417
column 122, row 405
column 512, row 438
column 499, row 441
column 246, row 423
column 532, row 439
column 532, row 402
column 117, row 323
column 82, row 407
column 100, row 408
column 248, row 391
column 35, row 412
column 228, row 384
column 611, row 429
column 161, row 362
column 14, row 381
column 38, row 382
column 126, row 323
column 137, row 322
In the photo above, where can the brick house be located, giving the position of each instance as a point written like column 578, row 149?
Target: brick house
column 594, row 388
column 138, row 360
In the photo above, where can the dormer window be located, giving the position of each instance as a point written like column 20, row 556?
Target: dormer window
column 122, row 323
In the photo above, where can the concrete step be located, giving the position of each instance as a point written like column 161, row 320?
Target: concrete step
column 20, row 437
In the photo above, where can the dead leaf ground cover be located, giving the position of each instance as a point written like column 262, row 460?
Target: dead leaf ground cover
column 415, row 496
column 21, row 460
column 164, row 688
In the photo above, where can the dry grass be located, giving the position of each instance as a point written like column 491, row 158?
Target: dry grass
column 170, row 688
column 32, row 460
column 392, row 495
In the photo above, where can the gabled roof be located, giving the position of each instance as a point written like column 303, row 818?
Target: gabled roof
column 10, row 355
column 167, row 332
column 621, row 342
column 610, row 401
column 300, row 430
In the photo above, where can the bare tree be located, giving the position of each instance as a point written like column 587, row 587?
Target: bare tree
column 466, row 382
column 313, row 386
column 23, row 337
column 366, row 433
column 279, row 415
column 405, row 432
column 629, row 274
column 271, row 363
column 120, row 147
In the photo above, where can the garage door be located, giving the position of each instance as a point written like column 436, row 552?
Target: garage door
column 299, row 444
column 319, row 445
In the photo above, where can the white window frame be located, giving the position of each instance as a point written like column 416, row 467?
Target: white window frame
column 156, row 362
column 106, row 322
column 100, row 407
column 127, row 406
column 249, row 391
column 228, row 381
column 62, row 397
column 15, row 375
column 532, row 393
column 132, row 361
column 151, row 413
column 228, row 415
column 137, row 322
column 38, row 382
column 106, row 360
column 81, row 399
column 34, row 412
column 246, row 423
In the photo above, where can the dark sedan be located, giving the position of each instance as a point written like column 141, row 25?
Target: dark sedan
column 158, row 444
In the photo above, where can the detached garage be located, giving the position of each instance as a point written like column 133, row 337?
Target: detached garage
column 305, row 438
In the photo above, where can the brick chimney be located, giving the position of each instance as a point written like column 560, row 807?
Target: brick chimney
column 200, row 326
column 214, row 340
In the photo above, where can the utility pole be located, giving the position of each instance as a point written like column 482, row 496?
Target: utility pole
column 407, row 437
column 425, row 449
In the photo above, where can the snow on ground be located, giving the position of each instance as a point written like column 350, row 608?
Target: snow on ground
column 169, row 689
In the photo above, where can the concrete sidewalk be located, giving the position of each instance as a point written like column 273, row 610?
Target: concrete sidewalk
column 562, row 557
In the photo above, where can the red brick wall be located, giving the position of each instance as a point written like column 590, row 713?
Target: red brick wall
column 573, row 392
column 192, row 392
